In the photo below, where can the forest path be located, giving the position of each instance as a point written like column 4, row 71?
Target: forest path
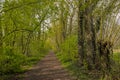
column 49, row 68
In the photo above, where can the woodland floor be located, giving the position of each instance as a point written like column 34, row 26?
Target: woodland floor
column 49, row 68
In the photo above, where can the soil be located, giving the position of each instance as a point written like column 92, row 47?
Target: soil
column 49, row 68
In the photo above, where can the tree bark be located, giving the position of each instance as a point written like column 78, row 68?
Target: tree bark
column 81, row 35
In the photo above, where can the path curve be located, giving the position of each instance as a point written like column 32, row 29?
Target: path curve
column 49, row 68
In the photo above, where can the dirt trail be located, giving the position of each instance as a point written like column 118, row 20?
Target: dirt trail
column 49, row 68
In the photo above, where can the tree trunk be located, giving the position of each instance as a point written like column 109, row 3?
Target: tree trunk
column 105, row 49
column 81, row 35
column 71, row 22
column 94, row 47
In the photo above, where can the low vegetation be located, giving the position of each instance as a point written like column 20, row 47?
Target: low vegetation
column 68, row 57
column 12, row 63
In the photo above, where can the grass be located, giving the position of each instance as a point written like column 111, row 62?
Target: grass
column 83, row 74
column 77, row 72
column 116, row 57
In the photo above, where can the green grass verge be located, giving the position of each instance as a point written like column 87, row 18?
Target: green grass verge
column 77, row 72
column 83, row 74
column 116, row 57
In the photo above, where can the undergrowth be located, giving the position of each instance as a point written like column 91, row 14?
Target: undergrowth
column 68, row 57
column 12, row 63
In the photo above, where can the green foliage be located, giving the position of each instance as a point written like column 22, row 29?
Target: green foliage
column 37, row 51
column 68, row 52
column 22, row 39
column 25, row 35
column 116, row 57
column 10, row 62
column 68, row 56
column 38, row 47
column 115, row 73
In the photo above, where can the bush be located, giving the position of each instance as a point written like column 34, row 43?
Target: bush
column 68, row 52
column 10, row 62
column 38, row 48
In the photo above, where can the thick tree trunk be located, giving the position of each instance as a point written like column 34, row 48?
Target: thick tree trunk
column 105, row 50
column 81, row 35
column 93, row 36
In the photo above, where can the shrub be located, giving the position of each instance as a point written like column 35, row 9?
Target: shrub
column 10, row 62
column 68, row 52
